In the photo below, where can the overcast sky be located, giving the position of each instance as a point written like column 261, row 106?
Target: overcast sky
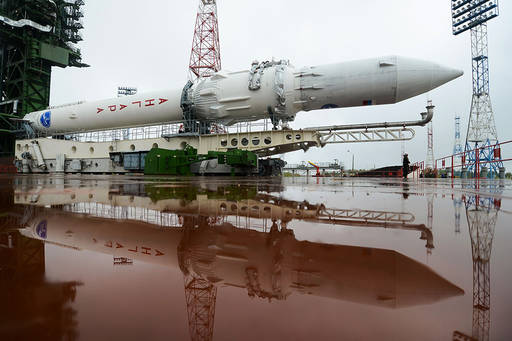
column 147, row 44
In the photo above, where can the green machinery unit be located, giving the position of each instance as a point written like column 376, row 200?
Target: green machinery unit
column 179, row 162
column 34, row 36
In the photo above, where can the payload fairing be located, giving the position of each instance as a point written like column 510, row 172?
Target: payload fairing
column 274, row 90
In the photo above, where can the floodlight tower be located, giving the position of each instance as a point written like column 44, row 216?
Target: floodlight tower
column 205, row 56
column 473, row 15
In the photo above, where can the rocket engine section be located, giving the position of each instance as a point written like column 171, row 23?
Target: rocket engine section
column 274, row 90
column 266, row 91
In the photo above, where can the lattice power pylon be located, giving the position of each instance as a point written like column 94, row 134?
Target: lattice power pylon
column 205, row 56
column 473, row 15
column 430, row 146
column 457, row 146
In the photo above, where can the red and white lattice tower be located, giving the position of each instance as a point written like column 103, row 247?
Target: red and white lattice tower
column 205, row 56
column 430, row 147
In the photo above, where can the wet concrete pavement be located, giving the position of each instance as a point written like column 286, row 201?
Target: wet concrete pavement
column 119, row 257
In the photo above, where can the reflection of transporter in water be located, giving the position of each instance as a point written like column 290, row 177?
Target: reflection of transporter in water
column 205, row 243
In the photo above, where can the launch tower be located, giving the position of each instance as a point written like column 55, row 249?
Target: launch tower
column 35, row 35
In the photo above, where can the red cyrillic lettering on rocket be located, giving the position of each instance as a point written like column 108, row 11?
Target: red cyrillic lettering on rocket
column 162, row 100
column 119, row 246
column 108, row 244
column 150, row 102
column 99, row 110
column 146, row 250
column 122, row 107
column 112, row 107
column 159, row 253
column 134, row 250
column 138, row 102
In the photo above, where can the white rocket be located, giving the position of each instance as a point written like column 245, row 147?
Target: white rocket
column 273, row 90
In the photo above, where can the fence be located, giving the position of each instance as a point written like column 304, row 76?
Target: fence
column 471, row 163
column 419, row 169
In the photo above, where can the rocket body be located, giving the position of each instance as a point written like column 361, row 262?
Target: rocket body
column 273, row 90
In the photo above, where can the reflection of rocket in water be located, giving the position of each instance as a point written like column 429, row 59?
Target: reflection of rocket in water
column 267, row 265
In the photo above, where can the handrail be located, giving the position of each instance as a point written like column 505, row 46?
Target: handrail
column 459, row 160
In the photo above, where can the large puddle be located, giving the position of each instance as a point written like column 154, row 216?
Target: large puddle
column 134, row 258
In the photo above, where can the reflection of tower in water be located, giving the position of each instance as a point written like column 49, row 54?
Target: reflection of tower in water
column 482, row 214
column 482, row 222
column 200, row 292
column 457, row 205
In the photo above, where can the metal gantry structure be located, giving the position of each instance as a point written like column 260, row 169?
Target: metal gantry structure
column 473, row 15
column 35, row 36
column 205, row 55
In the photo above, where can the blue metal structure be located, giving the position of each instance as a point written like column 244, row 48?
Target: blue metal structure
column 473, row 15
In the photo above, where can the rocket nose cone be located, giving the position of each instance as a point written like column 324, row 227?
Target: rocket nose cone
column 416, row 284
column 415, row 77
column 442, row 75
